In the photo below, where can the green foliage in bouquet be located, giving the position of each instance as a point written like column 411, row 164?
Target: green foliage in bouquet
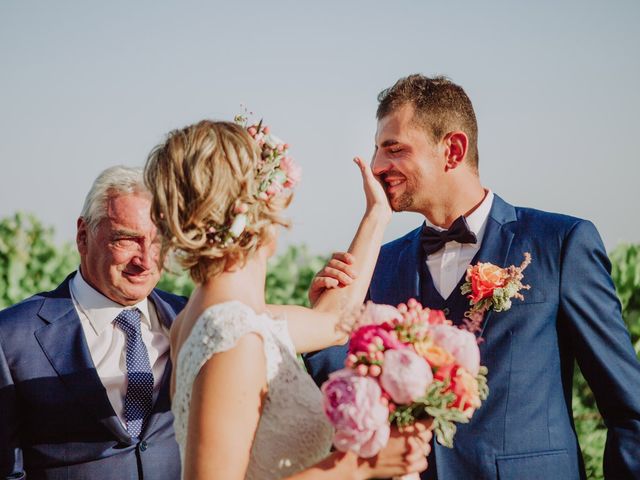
column 435, row 404
column 30, row 260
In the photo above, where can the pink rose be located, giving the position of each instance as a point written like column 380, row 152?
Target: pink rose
column 367, row 335
column 353, row 404
column 405, row 375
column 274, row 189
column 460, row 343
column 292, row 170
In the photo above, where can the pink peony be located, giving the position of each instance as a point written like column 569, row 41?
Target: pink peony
column 405, row 375
column 367, row 335
column 354, row 407
column 378, row 313
column 459, row 343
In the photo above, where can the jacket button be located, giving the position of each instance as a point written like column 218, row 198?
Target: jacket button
column 446, row 312
column 143, row 446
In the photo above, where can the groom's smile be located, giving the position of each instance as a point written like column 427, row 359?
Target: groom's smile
column 393, row 183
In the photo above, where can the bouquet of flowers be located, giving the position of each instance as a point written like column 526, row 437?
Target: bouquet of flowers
column 404, row 364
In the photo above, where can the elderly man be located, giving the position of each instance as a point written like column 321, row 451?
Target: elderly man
column 84, row 369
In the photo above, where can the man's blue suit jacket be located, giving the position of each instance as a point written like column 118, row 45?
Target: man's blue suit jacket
column 525, row 428
column 56, row 421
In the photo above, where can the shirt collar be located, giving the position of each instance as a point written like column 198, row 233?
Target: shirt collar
column 477, row 220
column 100, row 310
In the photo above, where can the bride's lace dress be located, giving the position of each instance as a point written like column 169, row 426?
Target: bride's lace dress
column 293, row 432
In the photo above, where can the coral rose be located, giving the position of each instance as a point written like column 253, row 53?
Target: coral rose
column 463, row 385
column 435, row 355
column 485, row 278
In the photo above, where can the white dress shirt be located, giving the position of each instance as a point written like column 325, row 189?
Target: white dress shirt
column 107, row 343
column 449, row 264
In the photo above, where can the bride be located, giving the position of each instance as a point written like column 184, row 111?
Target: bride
column 243, row 406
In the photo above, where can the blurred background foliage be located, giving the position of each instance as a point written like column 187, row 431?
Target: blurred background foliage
column 31, row 261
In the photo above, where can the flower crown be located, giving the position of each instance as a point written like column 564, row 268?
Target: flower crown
column 275, row 174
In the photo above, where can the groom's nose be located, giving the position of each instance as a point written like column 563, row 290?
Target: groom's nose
column 379, row 163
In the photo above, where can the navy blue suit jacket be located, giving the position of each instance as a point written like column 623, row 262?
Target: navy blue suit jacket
column 525, row 428
column 56, row 421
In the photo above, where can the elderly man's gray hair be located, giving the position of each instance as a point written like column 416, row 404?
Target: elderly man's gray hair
column 113, row 180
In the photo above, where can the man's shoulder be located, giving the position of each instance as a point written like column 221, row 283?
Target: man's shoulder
column 552, row 222
column 18, row 315
column 176, row 302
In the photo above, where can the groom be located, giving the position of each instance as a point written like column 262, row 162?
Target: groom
column 427, row 159
column 84, row 369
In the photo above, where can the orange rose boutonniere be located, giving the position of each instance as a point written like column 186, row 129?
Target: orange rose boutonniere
column 490, row 287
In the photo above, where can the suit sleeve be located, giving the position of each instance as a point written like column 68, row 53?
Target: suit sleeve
column 590, row 306
column 10, row 452
column 323, row 362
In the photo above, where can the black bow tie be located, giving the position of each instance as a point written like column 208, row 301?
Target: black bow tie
column 433, row 240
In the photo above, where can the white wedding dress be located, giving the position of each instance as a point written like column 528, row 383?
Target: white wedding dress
column 293, row 432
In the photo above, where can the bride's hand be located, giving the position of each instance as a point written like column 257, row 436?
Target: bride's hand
column 374, row 192
column 405, row 453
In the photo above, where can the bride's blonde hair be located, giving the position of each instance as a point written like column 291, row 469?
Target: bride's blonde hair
column 198, row 177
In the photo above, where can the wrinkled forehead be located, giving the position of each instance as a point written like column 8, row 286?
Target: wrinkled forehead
column 130, row 210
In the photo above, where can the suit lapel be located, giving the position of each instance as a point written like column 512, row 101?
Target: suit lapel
column 162, row 404
column 63, row 342
column 497, row 240
column 408, row 274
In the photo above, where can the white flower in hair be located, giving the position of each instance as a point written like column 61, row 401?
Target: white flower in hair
column 238, row 225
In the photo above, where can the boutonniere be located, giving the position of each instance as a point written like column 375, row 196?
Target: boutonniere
column 489, row 287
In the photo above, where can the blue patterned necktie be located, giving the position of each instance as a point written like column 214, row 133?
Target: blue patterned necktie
column 139, row 397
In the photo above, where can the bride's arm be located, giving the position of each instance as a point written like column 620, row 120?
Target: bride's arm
column 316, row 329
column 226, row 403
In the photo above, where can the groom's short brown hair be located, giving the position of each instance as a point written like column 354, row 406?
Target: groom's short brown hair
column 440, row 106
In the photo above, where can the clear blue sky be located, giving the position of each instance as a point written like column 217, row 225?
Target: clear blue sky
column 85, row 85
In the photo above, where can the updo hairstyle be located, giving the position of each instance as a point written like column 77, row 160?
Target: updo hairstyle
column 198, row 177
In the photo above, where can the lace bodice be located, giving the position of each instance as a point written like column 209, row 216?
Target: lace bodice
column 293, row 432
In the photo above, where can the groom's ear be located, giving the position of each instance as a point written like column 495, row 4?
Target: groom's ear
column 456, row 145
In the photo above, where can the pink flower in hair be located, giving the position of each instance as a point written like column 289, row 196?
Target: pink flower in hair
column 292, row 170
